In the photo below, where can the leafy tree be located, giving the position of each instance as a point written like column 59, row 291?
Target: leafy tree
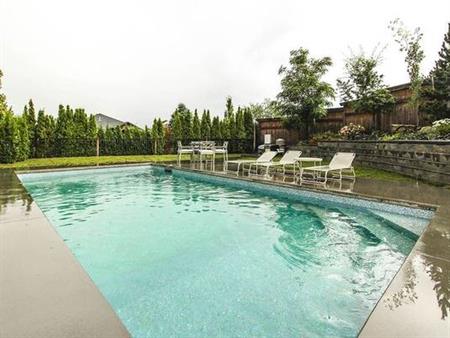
column 215, row 129
column 363, row 87
column 410, row 44
column 266, row 109
column 196, row 129
column 436, row 91
column 304, row 95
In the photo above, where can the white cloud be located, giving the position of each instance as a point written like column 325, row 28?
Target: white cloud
column 136, row 60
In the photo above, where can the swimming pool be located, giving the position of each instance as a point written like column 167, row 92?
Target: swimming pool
column 189, row 255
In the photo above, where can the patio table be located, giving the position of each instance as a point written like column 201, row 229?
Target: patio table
column 315, row 160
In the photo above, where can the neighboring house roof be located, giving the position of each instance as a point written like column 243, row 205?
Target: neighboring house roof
column 104, row 121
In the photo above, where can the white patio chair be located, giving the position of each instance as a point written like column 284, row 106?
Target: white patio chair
column 341, row 162
column 223, row 149
column 207, row 149
column 266, row 157
column 291, row 157
column 183, row 150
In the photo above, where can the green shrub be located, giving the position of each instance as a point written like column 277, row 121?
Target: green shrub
column 325, row 136
column 442, row 127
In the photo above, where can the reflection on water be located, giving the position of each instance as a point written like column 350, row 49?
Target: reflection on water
column 12, row 192
column 439, row 272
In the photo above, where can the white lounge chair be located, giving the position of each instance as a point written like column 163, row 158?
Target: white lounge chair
column 184, row 150
column 291, row 157
column 266, row 157
column 339, row 163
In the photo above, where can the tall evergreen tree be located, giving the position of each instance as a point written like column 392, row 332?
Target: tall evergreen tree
column 187, row 126
column 208, row 120
column 110, row 142
column 205, row 131
column 224, row 129
column 22, row 151
column 240, row 130
column 176, row 130
column 81, row 142
column 42, row 141
column 31, row 122
column 248, row 123
column 8, row 130
column 215, row 129
column 436, row 92
column 196, row 128
column 92, row 135
column 155, row 136
column 8, row 134
column 229, row 119
column 228, row 106
column 161, row 136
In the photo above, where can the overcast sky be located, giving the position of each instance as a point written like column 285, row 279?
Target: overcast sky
column 136, row 60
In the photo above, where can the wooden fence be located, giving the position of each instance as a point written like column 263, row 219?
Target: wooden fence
column 336, row 118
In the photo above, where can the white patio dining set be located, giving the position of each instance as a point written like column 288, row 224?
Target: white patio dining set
column 291, row 166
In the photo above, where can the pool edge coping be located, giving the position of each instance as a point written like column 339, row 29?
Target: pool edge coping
column 373, row 198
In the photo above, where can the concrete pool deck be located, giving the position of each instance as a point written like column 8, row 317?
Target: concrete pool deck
column 44, row 292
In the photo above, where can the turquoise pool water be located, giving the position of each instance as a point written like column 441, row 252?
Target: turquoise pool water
column 179, row 257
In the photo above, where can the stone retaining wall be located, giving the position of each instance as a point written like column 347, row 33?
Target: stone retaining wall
column 425, row 160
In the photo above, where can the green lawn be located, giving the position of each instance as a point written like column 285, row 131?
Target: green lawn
column 64, row 162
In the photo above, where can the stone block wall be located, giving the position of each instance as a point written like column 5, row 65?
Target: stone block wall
column 425, row 160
